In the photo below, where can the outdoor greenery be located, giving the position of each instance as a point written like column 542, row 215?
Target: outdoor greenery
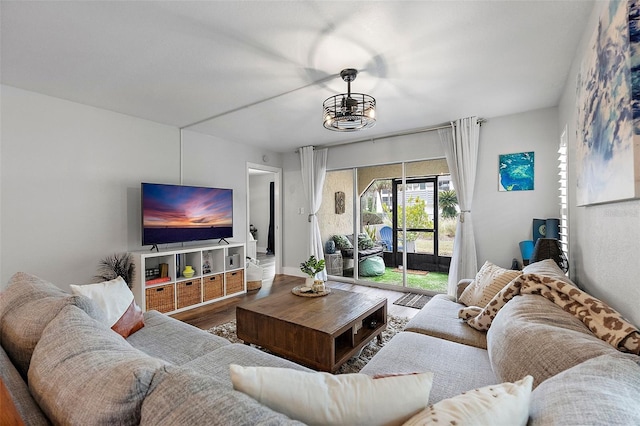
column 369, row 218
column 417, row 216
column 448, row 201
column 371, row 232
column 372, row 213
column 447, row 227
column 434, row 281
column 445, row 246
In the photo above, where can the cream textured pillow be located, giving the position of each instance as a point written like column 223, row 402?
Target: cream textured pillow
column 504, row 404
column 327, row 399
column 115, row 299
column 489, row 280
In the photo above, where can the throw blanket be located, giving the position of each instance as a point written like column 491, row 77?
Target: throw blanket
column 601, row 319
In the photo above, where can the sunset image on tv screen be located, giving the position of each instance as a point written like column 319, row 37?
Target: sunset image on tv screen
column 174, row 213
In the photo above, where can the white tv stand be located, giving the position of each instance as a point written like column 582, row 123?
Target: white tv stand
column 158, row 282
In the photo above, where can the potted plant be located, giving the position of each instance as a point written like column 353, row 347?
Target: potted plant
column 117, row 265
column 312, row 267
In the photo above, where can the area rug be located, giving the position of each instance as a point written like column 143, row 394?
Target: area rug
column 394, row 325
column 413, row 300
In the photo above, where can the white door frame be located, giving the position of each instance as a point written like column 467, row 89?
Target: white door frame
column 277, row 171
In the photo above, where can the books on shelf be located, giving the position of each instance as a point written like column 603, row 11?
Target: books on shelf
column 158, row 280
column 164, row 270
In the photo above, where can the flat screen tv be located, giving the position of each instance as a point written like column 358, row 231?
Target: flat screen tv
column 180, row 213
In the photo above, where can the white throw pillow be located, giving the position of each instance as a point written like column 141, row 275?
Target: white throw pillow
column 327, row 399
column 504, row 404
column 489, row 280
column 116, row 300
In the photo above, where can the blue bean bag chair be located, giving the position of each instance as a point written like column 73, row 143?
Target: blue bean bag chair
column 371, row 267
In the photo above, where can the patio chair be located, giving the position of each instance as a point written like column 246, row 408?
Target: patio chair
column 386, row 235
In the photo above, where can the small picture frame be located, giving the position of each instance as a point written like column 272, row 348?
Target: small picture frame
column 206, row 262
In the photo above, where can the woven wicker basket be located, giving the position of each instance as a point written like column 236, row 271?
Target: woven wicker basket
column 189, row 293
column 234, row 281
column 160, row 298
column 213, row 287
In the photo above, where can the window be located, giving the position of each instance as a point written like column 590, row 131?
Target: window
column 563, row 188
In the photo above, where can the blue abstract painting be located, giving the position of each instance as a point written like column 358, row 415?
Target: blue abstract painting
column 516, row 171
column 608, row 101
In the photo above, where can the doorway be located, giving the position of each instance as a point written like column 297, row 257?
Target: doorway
column 264, row 227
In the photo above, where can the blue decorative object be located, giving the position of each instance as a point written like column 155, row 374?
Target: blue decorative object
column 330, row 247
column 553, row 228
column 526, row 249
column 539, row 229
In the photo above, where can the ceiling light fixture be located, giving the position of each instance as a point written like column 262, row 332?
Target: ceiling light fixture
column 349, row 112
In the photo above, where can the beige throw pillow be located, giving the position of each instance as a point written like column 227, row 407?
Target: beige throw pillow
column 489, row 280
column 327, row 399
column 504, row 404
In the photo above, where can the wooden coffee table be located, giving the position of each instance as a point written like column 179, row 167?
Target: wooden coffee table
column 319, row 332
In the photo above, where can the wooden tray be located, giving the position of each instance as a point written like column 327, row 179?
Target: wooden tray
column 298, row 292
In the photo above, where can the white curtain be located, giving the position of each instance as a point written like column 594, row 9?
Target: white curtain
column 460, row 143
column 314, row 170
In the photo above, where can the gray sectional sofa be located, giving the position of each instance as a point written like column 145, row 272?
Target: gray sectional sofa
column 62, row 365
column 579, row 379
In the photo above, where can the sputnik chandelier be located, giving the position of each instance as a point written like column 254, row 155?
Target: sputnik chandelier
column 349, row 112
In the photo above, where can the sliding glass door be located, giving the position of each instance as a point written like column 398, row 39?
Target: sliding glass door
column 393, row 220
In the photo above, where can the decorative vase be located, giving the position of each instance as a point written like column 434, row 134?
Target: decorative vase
column 318, row 286
column 309, row 282
column 330, row 247
column 188, row 272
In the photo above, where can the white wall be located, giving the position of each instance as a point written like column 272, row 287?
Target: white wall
column 419, row 146
column 295, row 230
column 71, row 184
column 71, row 174
column 330, row 222
column 260, row 204
column 604, row 238
column 215, row 162
column 501, row 219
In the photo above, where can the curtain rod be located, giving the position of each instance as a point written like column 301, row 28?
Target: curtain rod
column 394, row 135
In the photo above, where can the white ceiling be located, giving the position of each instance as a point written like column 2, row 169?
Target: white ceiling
column 263, row 68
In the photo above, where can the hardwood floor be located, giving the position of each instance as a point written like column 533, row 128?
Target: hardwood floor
column 214, row 314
